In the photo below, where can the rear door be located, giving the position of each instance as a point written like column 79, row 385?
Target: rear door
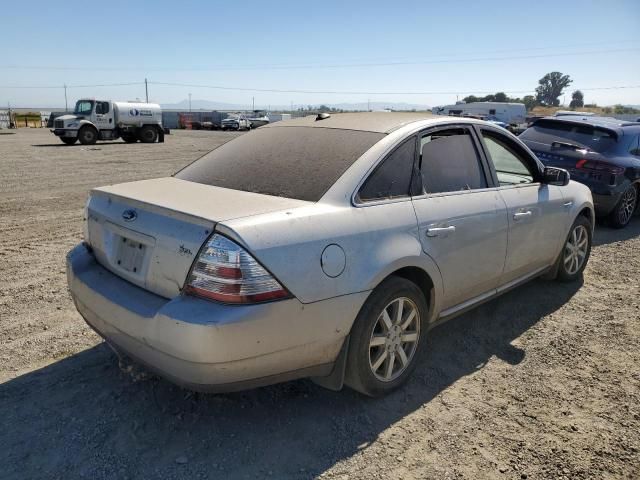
column 461, row 218
column 537, row 213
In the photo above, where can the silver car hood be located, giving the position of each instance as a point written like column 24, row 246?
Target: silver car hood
column 149, row 232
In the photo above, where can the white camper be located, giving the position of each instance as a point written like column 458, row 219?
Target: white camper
column 511, row 113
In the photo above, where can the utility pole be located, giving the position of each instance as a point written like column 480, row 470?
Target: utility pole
column 368, row 105
column 66, row 108
column 291, row 107
column 146, row 89
column 189, row 103
column 253, row 103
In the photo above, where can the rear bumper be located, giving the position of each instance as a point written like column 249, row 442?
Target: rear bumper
column 605, row 197
column 207, row 346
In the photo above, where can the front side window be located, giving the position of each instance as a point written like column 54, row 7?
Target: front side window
column 83, row 107
column 392, row 178
column 511, row 169
column 449, row 162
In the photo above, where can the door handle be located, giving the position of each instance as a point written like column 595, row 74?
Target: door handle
column 568, row 204
column 437, row 231
column 522, row 215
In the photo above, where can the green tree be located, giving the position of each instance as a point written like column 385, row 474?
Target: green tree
column 529, row 101
column 577, row 99
column 501, row 97
column 550, row 88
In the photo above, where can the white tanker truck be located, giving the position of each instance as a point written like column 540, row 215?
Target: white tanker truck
column 94, row 120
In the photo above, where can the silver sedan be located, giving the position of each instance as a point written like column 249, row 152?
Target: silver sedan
column 322, row 247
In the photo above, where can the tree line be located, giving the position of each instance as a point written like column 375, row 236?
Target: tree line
column 548, row 92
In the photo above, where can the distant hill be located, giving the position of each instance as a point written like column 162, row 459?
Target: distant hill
column 215, row 105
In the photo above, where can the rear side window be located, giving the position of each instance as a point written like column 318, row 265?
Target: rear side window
column 597, row 139
column 293, row 162
column 391, row 179
column 449, row 162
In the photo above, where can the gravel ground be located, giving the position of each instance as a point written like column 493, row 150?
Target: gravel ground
column 541, row 383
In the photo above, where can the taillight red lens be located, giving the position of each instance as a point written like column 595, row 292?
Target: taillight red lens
column 226, row 272
column 598, row 166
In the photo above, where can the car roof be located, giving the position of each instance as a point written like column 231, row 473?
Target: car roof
column 379, row 122
column 611, row 123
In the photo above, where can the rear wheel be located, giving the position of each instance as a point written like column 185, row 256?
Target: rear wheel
column 576, row 251
column 88, row 135
column 148, row 134
column 388, row 338
column 623, row 211
column 68, row 140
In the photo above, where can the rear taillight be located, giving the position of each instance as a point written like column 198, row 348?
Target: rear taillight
column 226, row 272
column 598, row 166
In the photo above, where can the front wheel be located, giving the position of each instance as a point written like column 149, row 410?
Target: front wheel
column 388, row 338
column 88, row 135
column 68, row 140
column 576, row 251
column 623, row 211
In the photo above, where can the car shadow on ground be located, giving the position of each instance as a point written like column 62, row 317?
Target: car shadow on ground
column 604, row 234
column 84, row 416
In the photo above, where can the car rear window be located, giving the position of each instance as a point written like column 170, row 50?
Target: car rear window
column 293, row 162
column 592, row 137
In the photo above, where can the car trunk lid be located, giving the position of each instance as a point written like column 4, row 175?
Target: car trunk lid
column 149, row 232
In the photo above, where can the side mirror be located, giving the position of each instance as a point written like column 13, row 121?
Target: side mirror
column 555, row 176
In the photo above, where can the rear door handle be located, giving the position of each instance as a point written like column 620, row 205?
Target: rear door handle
column 437, row 231
column 522, row 215
column 568, row 204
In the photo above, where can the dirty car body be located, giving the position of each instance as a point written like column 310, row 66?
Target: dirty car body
column 251, row 265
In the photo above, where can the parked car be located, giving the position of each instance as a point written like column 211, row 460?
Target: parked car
column 603, row 153
column 236, row 122
column 322, row 247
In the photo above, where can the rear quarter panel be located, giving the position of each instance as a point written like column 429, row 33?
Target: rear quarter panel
column 377, row 240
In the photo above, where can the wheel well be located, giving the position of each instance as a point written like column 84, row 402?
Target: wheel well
column 586, row 212
column 420, row 278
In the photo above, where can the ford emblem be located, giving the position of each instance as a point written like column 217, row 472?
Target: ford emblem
column 129, row 215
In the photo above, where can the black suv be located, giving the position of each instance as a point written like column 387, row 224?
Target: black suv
column 601, row 152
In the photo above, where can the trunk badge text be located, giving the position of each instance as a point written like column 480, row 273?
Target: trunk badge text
column 129, row 215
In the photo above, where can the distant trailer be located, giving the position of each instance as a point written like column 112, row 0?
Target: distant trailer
column 511, row 113
column 278, row 117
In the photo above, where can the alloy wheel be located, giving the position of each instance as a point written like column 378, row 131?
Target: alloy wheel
column 575, row 250
column 394, row 339
column 627, row 205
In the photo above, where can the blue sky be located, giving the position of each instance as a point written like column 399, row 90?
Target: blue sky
column 432, row 47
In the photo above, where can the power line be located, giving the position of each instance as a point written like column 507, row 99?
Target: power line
column 294, row 66
column 277, row 90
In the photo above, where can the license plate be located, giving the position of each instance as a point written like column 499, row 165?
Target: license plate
column 130, row 255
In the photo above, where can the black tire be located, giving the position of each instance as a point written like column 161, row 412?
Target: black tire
column 361, row 374
column 68, row 140
column 625, row 208
column 148, row 134
column 88, row 135
column 565, row 266
column 129, row 138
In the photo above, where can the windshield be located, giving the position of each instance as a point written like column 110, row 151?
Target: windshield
column 83, row 107
column 547, row 131
column 293, row 162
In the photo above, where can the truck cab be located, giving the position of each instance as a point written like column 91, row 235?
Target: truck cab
column 94, row 120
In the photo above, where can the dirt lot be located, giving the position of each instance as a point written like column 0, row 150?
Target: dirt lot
column 541, row 383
